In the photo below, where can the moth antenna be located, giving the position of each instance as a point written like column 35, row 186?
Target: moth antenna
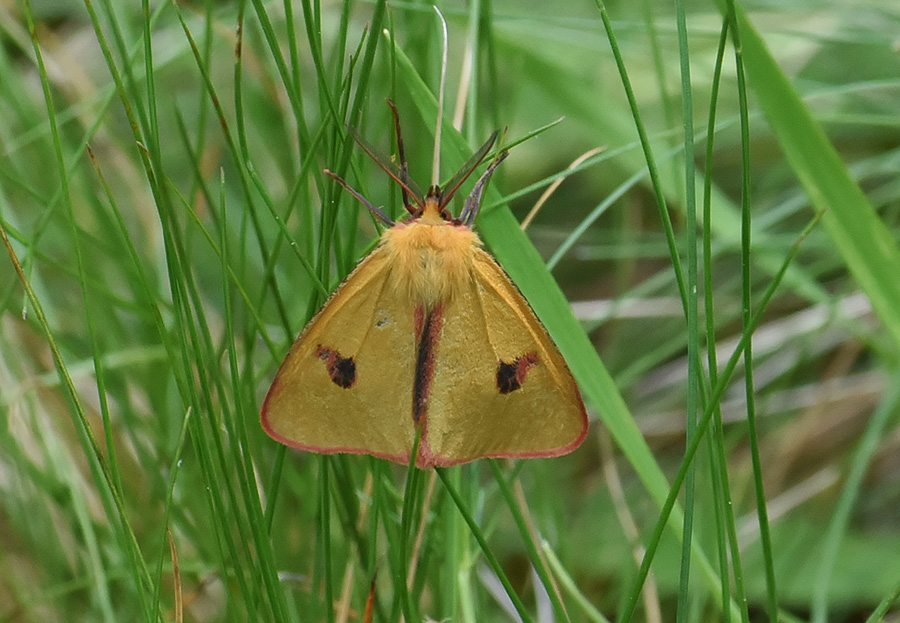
column 404, row 166
column 376, row 212
column 473, row 201
column 436, row 161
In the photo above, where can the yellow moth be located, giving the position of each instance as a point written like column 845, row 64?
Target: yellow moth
column 427, row 337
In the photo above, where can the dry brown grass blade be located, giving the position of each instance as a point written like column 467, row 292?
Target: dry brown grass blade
column 556, row 183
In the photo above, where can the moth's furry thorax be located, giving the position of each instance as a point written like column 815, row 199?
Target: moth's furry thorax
column 431, row 257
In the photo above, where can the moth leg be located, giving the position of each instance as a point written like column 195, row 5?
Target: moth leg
column 473, row 201
column 404, row 167
column 450, row 188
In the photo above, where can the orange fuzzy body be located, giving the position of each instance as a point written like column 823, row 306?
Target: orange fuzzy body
column 431, row 258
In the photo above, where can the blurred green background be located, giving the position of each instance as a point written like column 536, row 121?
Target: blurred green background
column 169, row 231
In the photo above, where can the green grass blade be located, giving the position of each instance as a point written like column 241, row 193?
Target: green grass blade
column 868, row 247
column 500, row 230
column 839, row 525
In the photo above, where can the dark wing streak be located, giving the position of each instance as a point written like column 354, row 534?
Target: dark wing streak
column 398, row 174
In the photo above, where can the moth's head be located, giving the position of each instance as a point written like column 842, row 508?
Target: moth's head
column 433, row 210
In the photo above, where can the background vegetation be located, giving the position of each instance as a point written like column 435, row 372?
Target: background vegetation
column 169, row 231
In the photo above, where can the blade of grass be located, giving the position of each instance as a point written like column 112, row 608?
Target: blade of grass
column 691, row 294
column 617, row 128
column 537, row 561
column 106, row 476
column 885, row 605
column 569, row 585
column 670, row 505
column 866, row 245
column 463, row 509
column 726, row 530
column 746, row 316
column 523, row 263
column 97, row 462
column 837, row 528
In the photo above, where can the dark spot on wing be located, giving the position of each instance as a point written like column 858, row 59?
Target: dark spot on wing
column 383, row 319
column 342, row 370
column 511, row 376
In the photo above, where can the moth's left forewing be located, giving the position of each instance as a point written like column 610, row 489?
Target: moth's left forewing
column 501, row 387
column 344, row 386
